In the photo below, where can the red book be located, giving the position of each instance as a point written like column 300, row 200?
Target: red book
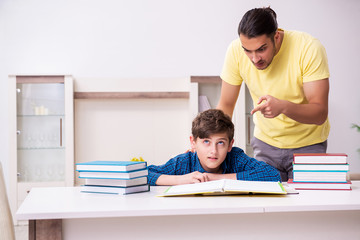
column 319, row 186
column 320, row 158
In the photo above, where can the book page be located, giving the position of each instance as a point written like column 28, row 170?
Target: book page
column 253, row 186
column 204, row 187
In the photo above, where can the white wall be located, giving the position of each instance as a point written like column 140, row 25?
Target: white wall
column 170, row 38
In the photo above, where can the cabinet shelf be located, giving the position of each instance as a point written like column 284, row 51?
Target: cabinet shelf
column 48, row 115
column 205, row 79
column 129, row 95
column 41, row 148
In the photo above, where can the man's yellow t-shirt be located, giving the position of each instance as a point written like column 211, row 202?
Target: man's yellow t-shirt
column 301, row 59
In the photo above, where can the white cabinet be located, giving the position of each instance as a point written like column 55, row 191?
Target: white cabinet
column 210, row 86
column 41, row 134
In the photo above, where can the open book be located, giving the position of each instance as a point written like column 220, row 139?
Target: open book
column 226, row 186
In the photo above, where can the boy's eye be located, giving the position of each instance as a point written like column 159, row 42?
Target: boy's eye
column 221, row 143
column 206, row 141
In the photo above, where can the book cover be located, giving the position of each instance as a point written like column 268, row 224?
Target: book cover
column 116, row 182
column 321, row 158
column 225, row 187
column 114, row 166
column 319, row 186
column 321, row 167
column 319, row 176
column 113, row 175
column 115, row 190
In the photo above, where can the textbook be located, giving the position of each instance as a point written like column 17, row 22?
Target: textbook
column 321, row 167
column 319, row 185
column 320, row 158
column 113, row 175
column 113, row 166
column 116, row 182
column 115, row 190
column 225, row 187
column 319, row 176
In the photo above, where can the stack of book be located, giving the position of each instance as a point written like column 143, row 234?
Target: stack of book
column 114, row 177
column 321, row 171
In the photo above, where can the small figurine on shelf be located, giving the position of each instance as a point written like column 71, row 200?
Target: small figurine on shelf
column 140, row 159
column 41, row 110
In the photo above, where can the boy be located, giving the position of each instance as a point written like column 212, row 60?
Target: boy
column 214, row 157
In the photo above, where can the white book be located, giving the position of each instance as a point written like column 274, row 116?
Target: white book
column 320, row 158
column 300, row 176
column 319, row 185
column 321, row 167
column 116, row 182
column 115, row 190
column 224, row 187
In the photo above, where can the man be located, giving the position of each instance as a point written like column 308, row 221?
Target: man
column 288, row 78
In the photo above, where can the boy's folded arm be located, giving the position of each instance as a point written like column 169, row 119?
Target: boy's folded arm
column 168, row 180
column 265, row 173
column 155, row 172
column 153, row 177
column 251, row 169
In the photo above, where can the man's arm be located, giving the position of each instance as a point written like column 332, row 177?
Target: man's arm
column 229, row 95
column 313, row 112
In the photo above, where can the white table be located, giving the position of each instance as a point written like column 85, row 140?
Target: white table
column 66, row 212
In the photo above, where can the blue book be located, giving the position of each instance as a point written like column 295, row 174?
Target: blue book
column 111, row 166
column 113, row 175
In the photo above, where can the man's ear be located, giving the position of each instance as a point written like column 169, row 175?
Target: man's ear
column 277, row 35
column 230, row 145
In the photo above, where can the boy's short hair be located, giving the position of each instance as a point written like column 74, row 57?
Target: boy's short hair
column 211, row 122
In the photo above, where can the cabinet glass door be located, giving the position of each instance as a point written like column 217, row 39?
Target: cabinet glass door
column 40, row 132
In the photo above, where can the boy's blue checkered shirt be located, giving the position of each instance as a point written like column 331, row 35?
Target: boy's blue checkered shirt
column 245, row 167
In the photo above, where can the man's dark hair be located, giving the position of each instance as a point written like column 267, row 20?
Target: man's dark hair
column 257, row 22
column 211, row 122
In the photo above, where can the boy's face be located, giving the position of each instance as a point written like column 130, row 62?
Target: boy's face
column 212, row 151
